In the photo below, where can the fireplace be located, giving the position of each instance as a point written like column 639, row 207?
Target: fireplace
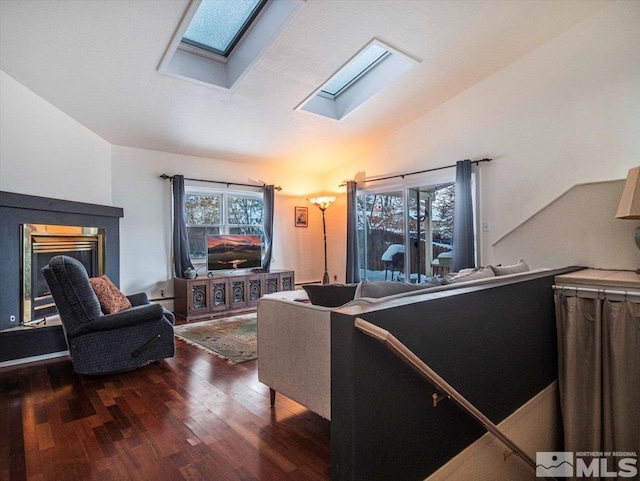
column 19, row 210
column 40, row 243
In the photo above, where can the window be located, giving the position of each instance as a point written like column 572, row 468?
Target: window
column 219, row 25
column 244, row 215
column 354, row 70
column 381, row 233
column 406, row 234
column 213, row 212
column 371, row 70
column 218, row 41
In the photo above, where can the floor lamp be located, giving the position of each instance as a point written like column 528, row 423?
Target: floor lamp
column 323, row 204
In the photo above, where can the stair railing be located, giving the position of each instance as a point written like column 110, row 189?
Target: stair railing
column 446, row 390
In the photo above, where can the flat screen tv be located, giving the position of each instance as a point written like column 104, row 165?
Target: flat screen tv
column 233, row 251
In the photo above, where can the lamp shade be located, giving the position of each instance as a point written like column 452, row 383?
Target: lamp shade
column 629, row 207
column 323, row 202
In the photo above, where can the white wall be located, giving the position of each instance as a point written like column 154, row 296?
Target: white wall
column 45, row 152
column 567, row 113
column 145, row 230
column 580, row 226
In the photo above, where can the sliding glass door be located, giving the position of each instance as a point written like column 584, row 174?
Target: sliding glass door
column 406, row 235
column 419, row 257
column 381, row 235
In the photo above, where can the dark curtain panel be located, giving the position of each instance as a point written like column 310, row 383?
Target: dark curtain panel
column 463, row 251
column 180, row 240
column 353, row 267
column 267, row 224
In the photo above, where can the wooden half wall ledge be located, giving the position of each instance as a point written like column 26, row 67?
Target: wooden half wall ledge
column 495, row 343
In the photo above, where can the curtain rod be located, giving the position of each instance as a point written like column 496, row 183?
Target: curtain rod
column 593, row 290
column 170, row 177
column 398, row 176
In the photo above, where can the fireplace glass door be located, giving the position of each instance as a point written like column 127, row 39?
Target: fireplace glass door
column 41, row 243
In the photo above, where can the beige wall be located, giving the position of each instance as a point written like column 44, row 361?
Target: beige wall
column 568, row 113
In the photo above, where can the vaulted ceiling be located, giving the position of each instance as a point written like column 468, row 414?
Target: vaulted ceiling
column 97, row 61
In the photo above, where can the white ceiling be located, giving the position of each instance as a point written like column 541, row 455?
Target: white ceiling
column 97, row 60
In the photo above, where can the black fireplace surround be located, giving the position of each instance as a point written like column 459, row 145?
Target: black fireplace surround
column 17, row 210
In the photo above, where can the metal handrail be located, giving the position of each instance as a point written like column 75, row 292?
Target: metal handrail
column 404, row 353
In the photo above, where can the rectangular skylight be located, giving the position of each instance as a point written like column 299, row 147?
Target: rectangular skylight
column 375, row 67
column 218, row 25
column 360, row 65
column 240, row 29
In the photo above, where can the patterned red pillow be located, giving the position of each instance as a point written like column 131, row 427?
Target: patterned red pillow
column 110, row 297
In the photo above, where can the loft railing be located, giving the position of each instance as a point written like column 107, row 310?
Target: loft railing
column 445, row 389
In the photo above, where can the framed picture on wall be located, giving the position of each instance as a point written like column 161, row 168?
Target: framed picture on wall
column 301, row 216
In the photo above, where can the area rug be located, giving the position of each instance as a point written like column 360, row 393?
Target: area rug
column 232, row 338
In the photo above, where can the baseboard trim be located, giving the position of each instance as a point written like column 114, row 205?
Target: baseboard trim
column 25, row 360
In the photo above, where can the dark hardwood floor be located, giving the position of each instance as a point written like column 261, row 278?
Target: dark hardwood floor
column 190, row 417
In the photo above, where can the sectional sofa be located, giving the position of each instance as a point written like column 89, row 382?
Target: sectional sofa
column 294, row 335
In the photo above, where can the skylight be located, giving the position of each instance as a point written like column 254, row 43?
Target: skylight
column 355, row 69
column 218, row 25
column 218, row 41
column 375, row 67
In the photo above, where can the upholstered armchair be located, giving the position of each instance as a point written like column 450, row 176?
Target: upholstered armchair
column 104, row 343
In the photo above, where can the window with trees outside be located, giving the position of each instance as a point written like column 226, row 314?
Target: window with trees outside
column 220, row 212
column 406, row 235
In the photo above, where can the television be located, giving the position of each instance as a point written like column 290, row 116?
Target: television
column 233, row 251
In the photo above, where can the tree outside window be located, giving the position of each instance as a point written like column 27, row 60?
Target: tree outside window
column 442, row 220
column 244, row 215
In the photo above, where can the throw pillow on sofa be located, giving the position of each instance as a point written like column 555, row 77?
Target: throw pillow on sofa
column 471, row 274
column 330, row 295
column 520, row 266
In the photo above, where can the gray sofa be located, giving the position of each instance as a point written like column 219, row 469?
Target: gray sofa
column 294, row 336
column 100, row 343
